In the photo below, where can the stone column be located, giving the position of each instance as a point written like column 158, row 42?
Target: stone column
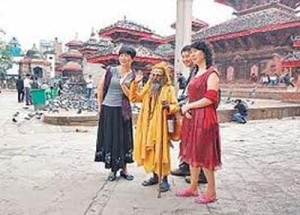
column 183, row 30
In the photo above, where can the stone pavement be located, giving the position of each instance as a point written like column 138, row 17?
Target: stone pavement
column 47, row 169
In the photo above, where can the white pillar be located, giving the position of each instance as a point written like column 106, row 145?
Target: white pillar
column 183, row 31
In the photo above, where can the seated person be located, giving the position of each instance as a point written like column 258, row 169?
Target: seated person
column 242, row 111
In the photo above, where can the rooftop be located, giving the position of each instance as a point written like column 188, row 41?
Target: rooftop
column 269, row 17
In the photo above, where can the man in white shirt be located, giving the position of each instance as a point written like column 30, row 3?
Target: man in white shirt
column 89, row 87
column 27, row 87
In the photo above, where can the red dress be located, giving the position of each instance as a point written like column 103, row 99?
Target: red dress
column 200, row 138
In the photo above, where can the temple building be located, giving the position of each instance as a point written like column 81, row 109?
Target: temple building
column 70, row 63
column 125, row 32
column 35, row 64
column 94, row 44
column 258, row 38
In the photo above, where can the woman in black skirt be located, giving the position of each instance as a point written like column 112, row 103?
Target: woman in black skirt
column 115, row 138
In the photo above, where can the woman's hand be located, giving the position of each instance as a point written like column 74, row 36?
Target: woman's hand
column 185, row 108
column 139, row 76
column 188, row 115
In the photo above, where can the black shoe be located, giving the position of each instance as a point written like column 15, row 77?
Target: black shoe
column 180, row 172
column 127, row 176
column 165, row 186
column 201, row 180
column 151, row 181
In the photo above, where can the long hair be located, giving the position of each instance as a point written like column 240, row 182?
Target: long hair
column 203, row 46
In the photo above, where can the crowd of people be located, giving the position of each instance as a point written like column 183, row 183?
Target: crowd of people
column 275, row 80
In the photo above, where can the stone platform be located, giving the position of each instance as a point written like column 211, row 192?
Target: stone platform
column 259, row 109
column 71, row 119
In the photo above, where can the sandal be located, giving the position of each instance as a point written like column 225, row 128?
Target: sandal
column 203, row 199
column 151, row 181
column 165, row 186
column 127, row 176
column 112, row 176
column 186, row 193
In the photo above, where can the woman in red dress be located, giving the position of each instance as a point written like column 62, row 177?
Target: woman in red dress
column 200, row 146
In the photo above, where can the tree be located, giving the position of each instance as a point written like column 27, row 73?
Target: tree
column 5, row 61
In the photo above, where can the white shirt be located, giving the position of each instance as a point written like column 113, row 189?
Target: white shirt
column 27, row 83
column 89, row 82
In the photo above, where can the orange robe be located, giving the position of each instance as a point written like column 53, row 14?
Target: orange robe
column 151, row 132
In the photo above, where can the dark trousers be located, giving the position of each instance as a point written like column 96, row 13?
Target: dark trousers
column 20, row 96
column 27, row 96
column 186, row 167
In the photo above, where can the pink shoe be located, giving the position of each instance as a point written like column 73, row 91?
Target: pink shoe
column 203, row 199
column 185, row 193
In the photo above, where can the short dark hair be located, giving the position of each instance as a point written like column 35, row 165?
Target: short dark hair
column 127, row 50
column 186, row 48
column 203, row 46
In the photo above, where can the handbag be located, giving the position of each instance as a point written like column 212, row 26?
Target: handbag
column 174, row 125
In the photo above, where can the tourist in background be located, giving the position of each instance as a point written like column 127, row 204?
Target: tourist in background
column 242, row 111
column 89, row 87
column 287, row 79
column 115, row 136
column 20, row 88
column 200, row 146
column 27, row 87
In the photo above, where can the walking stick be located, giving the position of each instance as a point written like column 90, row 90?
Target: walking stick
column 161, row 152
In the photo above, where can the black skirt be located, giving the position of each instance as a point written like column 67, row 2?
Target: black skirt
column 114, row 139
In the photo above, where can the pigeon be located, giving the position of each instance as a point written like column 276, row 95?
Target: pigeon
column 16, row 114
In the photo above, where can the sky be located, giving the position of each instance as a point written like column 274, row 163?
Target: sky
column 32, row 20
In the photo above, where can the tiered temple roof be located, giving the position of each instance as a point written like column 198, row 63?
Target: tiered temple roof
column 143, row 54
column 95, row 43
column 239, row 5
column 125, row 32
column 125, row 25
column 272, row 16
column 72, row 67
column 72, row 53
column 197, row 24
column 75, row 44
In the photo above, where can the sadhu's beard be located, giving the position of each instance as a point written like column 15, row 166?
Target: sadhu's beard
column 156, row 87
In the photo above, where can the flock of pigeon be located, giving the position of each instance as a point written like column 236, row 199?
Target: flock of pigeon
column 69, row 100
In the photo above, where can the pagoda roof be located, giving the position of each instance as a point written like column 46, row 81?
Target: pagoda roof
column 154, row 38
column 27, row 60
column 270, row 19
column 196, row 24
column 242, row 5
column 142, row 54
column 72, row 66
column 124, row 25
column 96, row 43
column 74, row 43
column 72, row 53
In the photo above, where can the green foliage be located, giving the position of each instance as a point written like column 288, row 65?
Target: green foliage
column 5, row 61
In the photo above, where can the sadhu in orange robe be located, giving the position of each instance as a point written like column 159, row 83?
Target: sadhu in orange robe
column 151, row 127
